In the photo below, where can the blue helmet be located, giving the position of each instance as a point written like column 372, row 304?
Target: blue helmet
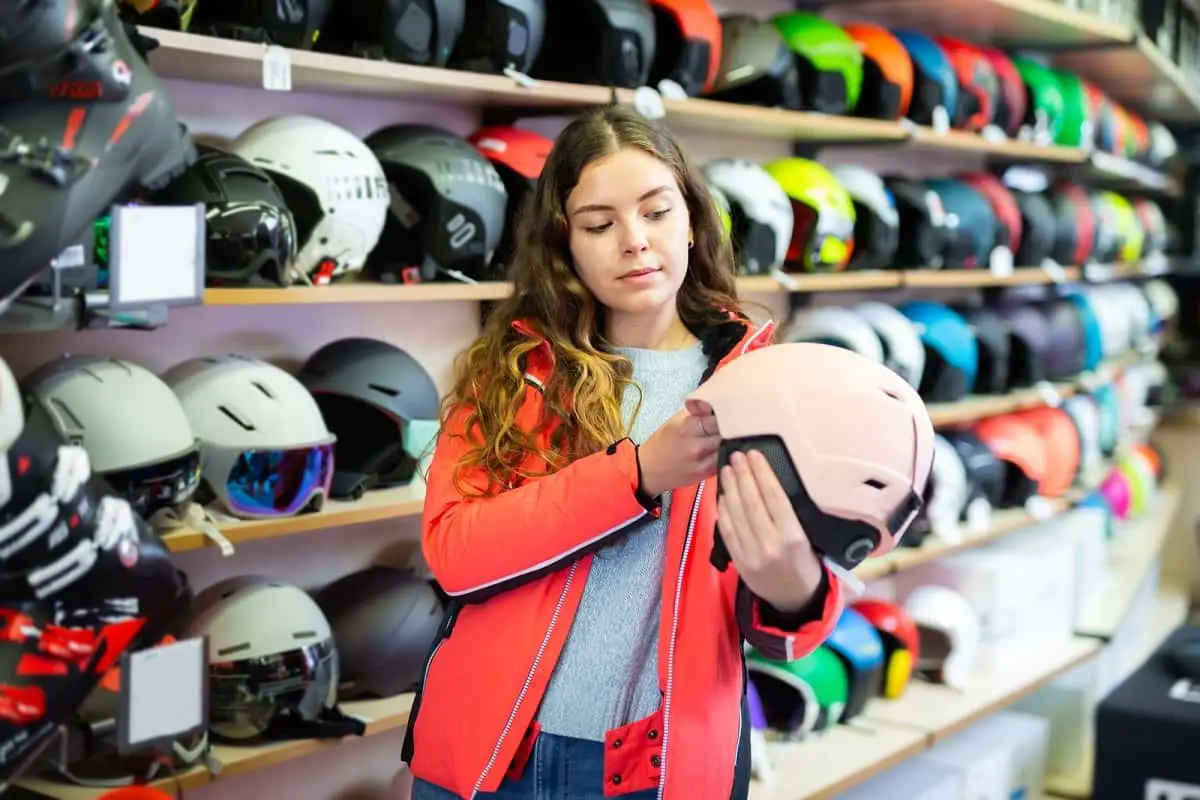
column 859, row 646
column 951, row 351
column 934, row 81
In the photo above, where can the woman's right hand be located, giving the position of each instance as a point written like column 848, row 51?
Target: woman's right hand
column 682, row 452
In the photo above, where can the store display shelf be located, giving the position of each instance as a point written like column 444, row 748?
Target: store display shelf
column 206, row 59
column 891, row 731
column 869, row 280
column 1003, row 523
column 1135, row 547
column 382, row 504
column 1032, row 24
column 1141, row 76
column 1105, row 168
column 973, row 408
column 381, row 716
column 940, row 711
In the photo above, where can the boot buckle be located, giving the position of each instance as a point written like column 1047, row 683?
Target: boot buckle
column 58, row 165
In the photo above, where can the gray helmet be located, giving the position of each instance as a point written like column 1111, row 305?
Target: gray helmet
column 447, row 204
column 381, row 404
column 757, row 67
column 384, row 621
column 499, row 34
column 601, row 42
column 422, row 32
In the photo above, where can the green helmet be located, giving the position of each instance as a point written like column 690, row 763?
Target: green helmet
column 1077, row 118
column 830, row 62
column 823, row 231
column 722, row 204
column 802, row 696
column 1044, row 95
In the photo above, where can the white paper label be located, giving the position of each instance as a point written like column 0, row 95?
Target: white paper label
column 671, row 90
column 167, row 685
column 1054, row 270
column 520, row 78
column 649, row 103
column 1049, row 394
column 158, row 255
column 785, row 280
column 277, row 69
column 1001, row 262
column 979, row 516
column 941, row 121
column 1039, row 508
column 993, row 134
column 70, row 258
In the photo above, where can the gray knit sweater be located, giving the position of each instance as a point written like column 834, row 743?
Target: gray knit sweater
column 607, row 675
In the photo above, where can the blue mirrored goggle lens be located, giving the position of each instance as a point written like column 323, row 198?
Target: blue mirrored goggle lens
column 278, row 481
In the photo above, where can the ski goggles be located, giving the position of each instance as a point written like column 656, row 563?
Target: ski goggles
column 270, row 482
column 167, row 484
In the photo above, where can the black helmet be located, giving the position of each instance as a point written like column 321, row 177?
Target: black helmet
column 250, row 235
column 447, row 204
column 500, row 34
column 289, row 23
column 757, row 67
column 422, row 32
column 371, row 395
column 924, row 233
column 603, row 42
column 384, row 621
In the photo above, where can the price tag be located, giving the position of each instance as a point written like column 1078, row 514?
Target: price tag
column 671, row 90
column 947, row 529
column 1054, row 271
column 649, row 103
column 994, row 134
column 1039, row 508
column 1001, row 262
column 163, row 695
column 72, row 257
column 1087, row 135
column 979, row 516
column 1049, row 394
column 1096, row 273
column 1155, row 264
column 277, row 69
column 156, row 256
column 941, row 121
column 519, row 78
column 785, row 280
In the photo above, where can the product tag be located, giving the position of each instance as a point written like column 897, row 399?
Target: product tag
column 1049, row 394
column 1054, row 270
column 277, row 69
column 649, row 103
column 1039, row 508
column 163, row 694
column 786, row 280
column 979, row 516
column 1001, row 262
column 941, row 121
column 156, row 256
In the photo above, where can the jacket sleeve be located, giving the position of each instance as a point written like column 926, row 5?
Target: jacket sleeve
column 783, row 639
column 479, row 547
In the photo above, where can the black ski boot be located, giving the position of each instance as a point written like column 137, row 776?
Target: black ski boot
column 82, row 119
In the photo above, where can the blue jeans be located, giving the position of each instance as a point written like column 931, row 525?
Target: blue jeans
column 561, row 768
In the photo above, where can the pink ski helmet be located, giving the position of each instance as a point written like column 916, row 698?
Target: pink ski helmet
column 1116, row 490
column 850, row 440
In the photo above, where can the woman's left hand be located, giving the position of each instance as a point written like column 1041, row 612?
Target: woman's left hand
column 769, row 548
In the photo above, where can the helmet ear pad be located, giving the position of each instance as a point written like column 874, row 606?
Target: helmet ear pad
column 880, row 98
column 825, row 92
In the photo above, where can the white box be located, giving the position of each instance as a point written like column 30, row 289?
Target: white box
column 913, row 779
column 1029, row 736
column 984, row 766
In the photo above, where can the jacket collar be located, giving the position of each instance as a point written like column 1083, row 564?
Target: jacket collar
column 721, row 341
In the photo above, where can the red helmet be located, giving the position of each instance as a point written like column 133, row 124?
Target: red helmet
column 687, row 44
column 514, row 150
column 1003, row 204
column 979, row 87
column 901, row 642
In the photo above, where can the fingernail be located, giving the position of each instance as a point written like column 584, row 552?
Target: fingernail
column 737, row 459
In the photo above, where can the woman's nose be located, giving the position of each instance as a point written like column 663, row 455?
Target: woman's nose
column 635, row 239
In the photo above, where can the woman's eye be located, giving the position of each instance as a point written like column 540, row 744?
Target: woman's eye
column 659, row 214
column 598, row 228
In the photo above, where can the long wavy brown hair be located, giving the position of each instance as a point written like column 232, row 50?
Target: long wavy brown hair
column 583, row 395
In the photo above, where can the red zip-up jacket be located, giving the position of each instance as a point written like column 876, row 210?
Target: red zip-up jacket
column 514, row 566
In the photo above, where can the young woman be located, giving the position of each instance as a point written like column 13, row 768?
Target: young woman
column 591, row 649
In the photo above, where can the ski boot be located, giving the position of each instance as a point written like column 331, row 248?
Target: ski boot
column 82, row 119
column 82, row 581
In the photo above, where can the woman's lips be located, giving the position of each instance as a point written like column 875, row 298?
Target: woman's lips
column 639, row 273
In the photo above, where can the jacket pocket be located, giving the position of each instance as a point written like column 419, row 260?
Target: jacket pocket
column 452, row 609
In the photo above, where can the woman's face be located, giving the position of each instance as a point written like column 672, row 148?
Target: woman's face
column 629, row 232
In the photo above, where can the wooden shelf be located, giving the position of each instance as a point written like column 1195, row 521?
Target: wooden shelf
column 941, row 712
column 979, row 407
column 207, row 59
column 403, row 501
column 978, row 278
column 869, row 280
column 711, row 116
column 836, row 760
column 359, row 292
column 1028, row 24
column 1140, row 76
column 1104, row 168
column 381, row 716
column 1004, row 523
column 1010, row 150
column 1132, row 552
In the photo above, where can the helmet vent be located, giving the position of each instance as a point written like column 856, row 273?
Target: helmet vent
column 875, row 484
column 304, row 635
column 389, row 391
column 262, row 388
column 228, row 412
column 65, row 411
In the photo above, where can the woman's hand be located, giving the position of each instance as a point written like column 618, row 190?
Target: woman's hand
column 763, row 536
column 682, row 452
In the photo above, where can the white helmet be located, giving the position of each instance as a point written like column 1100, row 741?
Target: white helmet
column 950, row 633
column 12, row 414
column 333, row 184
column 258, row 427
column 903, row 352
column 1163, row 301
column 261, row 629
column 877, row 232
column 837, row 326
column 760, row 210
column 1085, row 413
column 951, row 492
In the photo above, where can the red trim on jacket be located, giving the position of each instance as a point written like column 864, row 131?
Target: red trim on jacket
column 516, row 564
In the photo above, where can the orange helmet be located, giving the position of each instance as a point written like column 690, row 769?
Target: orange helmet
column 136, row 793
column 1017, row 445
column 1062, row 445
column 688, row 46
column 887, row 72
column 1151, row 456
column 977, row 80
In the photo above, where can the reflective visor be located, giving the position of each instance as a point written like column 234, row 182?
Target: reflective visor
column 278, row 482
column 169, row 484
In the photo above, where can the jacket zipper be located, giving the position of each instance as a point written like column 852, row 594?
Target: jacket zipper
column 687, row 547
column 537, row 660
